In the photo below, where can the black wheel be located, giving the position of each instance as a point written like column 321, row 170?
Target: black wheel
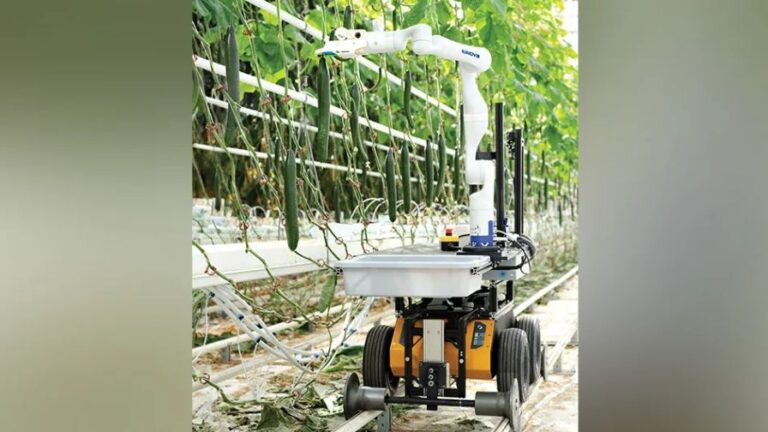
column 544, row 362
column 513, row 362
column 532, row 329
column 376, row 371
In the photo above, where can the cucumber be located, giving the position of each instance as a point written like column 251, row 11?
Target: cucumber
column 391, row 188
column 233, row 87
column 430, row 174
column 197, row 98
column 405, row 173
column 394, row 19
column 354, row 123
column 233, row 65
column 291, row 210
column 442, row 159
column 336, row 198
column 326, row 296
column 527, row 167
column 348, row 20
column 349, row 195
column 217, row 188
column 457, row 176
column 546, row 179
column 323, row 111
column 457, row 158
column 407, row 98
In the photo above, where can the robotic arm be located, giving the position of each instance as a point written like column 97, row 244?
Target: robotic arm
column 472, row 61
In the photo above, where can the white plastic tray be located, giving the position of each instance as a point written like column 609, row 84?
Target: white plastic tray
column 413, row 275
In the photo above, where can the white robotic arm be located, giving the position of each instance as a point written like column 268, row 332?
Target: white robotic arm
column 472, row 61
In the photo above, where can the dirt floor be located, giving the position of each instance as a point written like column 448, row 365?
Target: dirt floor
column 553, row 406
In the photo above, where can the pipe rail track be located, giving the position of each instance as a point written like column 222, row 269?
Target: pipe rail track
column 267, row 359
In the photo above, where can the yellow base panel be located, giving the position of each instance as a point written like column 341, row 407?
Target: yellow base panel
column 478, row 359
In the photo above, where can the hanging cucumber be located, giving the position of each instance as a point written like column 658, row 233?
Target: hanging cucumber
column 326, row 296
column 348, row 20
column 546, row 179
column 391, row 188
column 217, row 189
column 457, row 176
column 430, row 174
column 336, row 198
column 407, row 98
column 354, row 123
column 527, row 167
column 457, row 158
column 197, row 98
column 291, row 210
column 233, row 65
column 323, row 110
column 442, row 159
column 405, row 172
column 394, row 19
column 349, row 194
column 233, row 87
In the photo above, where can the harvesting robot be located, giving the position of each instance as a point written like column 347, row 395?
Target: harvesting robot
column 454, row 301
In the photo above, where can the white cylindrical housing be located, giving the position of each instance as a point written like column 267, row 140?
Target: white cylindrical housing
column 481, row 209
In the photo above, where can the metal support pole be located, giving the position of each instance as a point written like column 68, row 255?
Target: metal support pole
column 384, row 420
column 499, row 138
column 519, row 194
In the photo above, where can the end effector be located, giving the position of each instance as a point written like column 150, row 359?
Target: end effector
column 356, row 42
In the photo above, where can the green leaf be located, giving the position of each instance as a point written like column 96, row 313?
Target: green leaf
column 472, row 4
column 246, row 88
column 273, row 418
column 500, row 6
column 416, row 14
column 488, row 32
column 223, row 12
column 444, row 12
column 275, row 76
column 326, row 297
column 453, row 33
